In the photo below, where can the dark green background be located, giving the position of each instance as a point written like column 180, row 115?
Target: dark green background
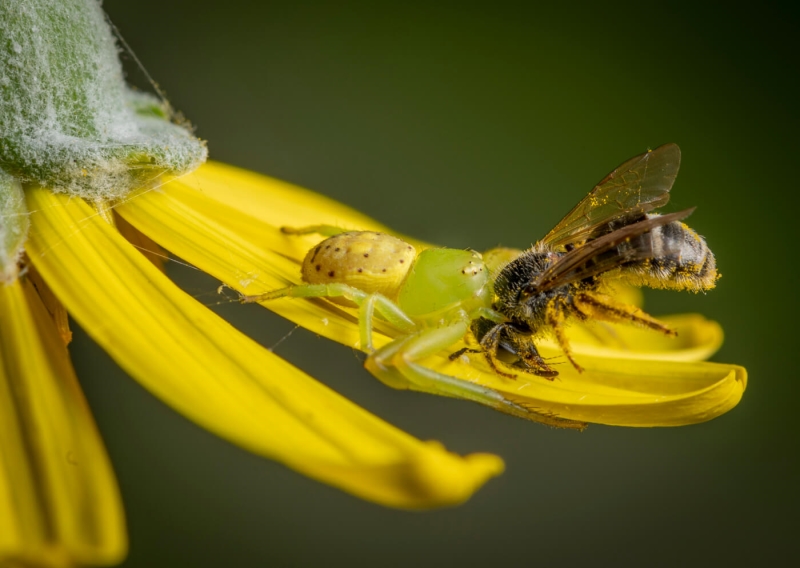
column 474, row 125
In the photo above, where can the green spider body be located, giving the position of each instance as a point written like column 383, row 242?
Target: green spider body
column 435, row 285
column 445, row 284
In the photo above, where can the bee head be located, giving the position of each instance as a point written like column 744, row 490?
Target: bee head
column 514, row 283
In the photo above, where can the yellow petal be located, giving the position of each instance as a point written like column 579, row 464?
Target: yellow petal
column 250, row 255
column 51, row 304
column 697, row 340
column 633, row 377
column 208, row 371
column 142, row 242
column 654, row 381
column 282, row 203
column 59, row 503
column 616, row 391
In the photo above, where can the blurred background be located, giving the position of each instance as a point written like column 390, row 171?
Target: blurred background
column 472, row 125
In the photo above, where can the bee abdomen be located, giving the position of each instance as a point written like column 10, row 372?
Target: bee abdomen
column 679, row 260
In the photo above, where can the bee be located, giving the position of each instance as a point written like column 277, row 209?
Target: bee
column 437, row 296
column 611, row 233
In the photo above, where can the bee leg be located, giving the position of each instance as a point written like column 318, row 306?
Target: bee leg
column 460, row 352
column 555, row 314
column 532, row 362
column 521, row 345
column 602, row 307
column 490, row 343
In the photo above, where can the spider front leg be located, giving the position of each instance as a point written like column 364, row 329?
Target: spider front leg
column 396, row 365
column 368, row 303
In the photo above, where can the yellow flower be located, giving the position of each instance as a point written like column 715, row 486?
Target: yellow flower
column 81, row 141
column 58, row 498
column 633, row 377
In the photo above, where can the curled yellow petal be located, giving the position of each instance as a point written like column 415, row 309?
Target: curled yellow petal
column 208, row 371
column 618, row 391
column 226, row 222
column 697, row 340
column 59, row 503
column 653, row 381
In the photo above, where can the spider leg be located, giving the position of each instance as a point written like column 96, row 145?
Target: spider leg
column 368, row 303
column 324, row 230
column 397, row 365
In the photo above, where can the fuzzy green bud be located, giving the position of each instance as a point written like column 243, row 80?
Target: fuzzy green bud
column 68, row 121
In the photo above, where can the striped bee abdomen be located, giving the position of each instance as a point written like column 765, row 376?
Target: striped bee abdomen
column 673, row 257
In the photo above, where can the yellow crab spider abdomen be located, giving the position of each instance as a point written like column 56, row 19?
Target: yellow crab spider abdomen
column 367, row 260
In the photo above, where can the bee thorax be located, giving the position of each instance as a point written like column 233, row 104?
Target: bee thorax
column 510, row 299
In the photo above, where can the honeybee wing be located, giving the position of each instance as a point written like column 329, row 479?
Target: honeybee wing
column 586, row 260
column 639, row 185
